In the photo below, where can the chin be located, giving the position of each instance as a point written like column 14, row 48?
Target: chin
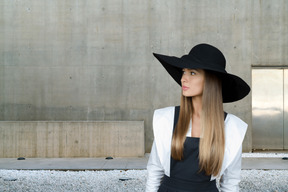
column 187, row 95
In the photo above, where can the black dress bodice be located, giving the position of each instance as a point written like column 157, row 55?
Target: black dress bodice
column 188, row 168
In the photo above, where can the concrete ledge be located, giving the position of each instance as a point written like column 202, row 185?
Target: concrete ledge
column 75, row 164
column 264, row 163
column 119, row 163
column 39, row 139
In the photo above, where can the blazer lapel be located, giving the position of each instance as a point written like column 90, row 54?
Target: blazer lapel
column 163, row 128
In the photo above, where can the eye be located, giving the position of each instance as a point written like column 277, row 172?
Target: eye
column 188, row 72
column 192, row 73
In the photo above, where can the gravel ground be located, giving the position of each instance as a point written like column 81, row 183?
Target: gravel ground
column 128, row 181
column 266, row 155
column 110, row 181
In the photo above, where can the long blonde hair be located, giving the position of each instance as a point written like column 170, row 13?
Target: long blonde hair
column 212, row 141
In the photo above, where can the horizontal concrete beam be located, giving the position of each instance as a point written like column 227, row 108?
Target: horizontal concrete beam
column 63, row 139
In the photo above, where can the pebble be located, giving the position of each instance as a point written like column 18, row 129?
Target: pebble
column 252, row 181
column 9, row 179
column 124, row 178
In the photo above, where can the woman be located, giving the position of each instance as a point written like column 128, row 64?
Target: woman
column 198, row 142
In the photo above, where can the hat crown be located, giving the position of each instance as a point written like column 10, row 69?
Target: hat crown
column 208, row 55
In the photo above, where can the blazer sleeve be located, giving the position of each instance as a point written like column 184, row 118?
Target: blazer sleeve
column 155, row 171
column 231, row 177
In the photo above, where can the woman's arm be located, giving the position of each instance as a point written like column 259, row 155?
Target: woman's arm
column 231, row 177
column 155, row 171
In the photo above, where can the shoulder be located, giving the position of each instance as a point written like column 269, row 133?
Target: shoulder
column 164, row 113
column 163, row 119
column 234, row 125
column 233, row 118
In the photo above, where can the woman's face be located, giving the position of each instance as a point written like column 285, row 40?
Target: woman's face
column 192, row 82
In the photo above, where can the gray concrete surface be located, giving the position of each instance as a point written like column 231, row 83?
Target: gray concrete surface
column 118, row 163
column 66, row 139
column 92, row 60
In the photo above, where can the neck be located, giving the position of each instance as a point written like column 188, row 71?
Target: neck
column 197, row 106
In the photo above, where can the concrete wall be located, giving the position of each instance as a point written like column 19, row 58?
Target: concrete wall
column 53, row 139
column 92, row 60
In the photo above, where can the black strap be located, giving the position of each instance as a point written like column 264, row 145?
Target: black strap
column 176, row 116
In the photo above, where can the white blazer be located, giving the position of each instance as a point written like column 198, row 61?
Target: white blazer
column 159, row 160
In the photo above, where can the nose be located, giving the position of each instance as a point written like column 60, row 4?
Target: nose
column 183, row 78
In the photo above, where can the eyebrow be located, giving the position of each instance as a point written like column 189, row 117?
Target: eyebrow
column 190, row 69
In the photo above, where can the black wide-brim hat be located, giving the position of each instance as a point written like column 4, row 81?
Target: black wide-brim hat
column 206, row 57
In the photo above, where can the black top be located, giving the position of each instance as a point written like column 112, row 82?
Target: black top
column 188, row 168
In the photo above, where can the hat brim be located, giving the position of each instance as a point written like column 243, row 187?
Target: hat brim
column 233, row 87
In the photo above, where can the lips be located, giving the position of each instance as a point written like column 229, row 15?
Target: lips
column 184, row 88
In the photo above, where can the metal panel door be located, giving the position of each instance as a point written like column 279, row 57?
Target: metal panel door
column 267, row 108
column 285, row 131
